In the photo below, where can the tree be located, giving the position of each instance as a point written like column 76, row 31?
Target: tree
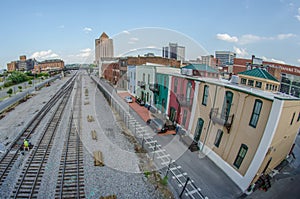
column 20, row 88
column 17, row 77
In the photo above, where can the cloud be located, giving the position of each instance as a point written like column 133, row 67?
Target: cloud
column 133, row 40
column 87, row 29
column 273, row 60
column 226, row 37
column 61, row 26
column 250, row 38
column 154, row 47
column 241, row 52
column 126, row 32
column 298, row 15
column 84, row 52
column 298, row 60
column 285, row 36
column 47, row 54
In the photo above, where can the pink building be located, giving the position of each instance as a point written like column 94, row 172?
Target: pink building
column 181, row 100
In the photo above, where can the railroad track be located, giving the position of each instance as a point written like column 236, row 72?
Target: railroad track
column 9, row 158
column 29, row 182
column 70, row 182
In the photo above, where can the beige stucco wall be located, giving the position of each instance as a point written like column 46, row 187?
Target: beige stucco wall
column 284, row 136
column 240, row 133
column 264, row 82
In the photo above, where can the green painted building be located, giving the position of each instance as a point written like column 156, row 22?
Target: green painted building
column 161, row 91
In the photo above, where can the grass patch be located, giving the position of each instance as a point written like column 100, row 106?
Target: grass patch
column 164, row 181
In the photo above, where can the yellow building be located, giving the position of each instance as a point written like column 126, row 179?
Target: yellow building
column 246, row 131
column 260, row 79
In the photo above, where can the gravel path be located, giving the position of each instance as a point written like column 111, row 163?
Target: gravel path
column 120, row 175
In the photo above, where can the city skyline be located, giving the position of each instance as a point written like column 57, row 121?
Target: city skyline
column 55, row 29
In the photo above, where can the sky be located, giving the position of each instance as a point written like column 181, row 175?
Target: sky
column 67, row 29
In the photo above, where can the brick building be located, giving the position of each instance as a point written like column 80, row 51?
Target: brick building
column 117, row 67
column 47, row 65
column 23, row 64
column 288, row 75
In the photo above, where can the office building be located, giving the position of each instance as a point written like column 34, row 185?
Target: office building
column 103, row 48
column 225, row 57
column 173, row 51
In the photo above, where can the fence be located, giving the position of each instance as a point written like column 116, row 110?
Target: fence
column 186, row 186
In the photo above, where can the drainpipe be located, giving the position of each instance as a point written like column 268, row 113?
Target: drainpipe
column 208, row 127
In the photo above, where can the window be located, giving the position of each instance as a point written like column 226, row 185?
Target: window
column 258, row 84
column 148, row 78
column 240, row 156
column 188, row 91
column 175, row 85
column 298, row 117
column 218, row 138
column 143, row 77
column 243, row 81
column 255, row 113
column 227, row 105
column 250, row 82
column 205, row 95
column 267, row 87
column 293, row 118
column 198, row 129
column 184, row 117
column 165, row 81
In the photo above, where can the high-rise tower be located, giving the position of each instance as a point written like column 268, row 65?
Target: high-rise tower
column 103, row 48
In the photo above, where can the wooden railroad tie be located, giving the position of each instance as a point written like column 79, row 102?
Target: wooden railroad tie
column 109, row 197
column 90, row 118
column 94, row 135
column 98, row 158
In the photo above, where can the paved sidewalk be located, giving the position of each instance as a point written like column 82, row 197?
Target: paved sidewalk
column 214, row 183
column 142, row 112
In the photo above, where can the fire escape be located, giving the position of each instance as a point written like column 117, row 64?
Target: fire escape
column 221, row 118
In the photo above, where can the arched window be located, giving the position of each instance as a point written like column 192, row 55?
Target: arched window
column 188, row 91
column 255, row 113
column 227, row 105
column 205, row 95
column 240, row 156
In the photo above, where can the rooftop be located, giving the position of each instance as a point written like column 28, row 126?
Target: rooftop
column 201, row 67
column 260, row 73
column 253, row 91
column 104, row 35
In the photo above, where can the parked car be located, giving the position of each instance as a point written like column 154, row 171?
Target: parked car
column 128, row 99
column 140, row 101
column 157, row 125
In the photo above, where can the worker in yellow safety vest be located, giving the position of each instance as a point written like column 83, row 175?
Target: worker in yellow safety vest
column 26, row 145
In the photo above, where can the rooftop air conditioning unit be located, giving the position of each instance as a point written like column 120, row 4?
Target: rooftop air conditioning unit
column 234, row 79
column 189, row 72
column 183, row 71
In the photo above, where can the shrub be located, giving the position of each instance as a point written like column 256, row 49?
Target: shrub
column 164, row 181
column 147, row 173
column 10, row 91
